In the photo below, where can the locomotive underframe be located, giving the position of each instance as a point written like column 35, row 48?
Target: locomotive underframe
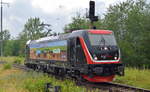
column 65, row 68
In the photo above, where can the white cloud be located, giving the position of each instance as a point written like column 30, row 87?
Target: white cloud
column 52, row 6
column 55, row 12
column 8, row 1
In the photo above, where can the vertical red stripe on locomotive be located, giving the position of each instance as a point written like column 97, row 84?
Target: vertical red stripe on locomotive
column 87, row 54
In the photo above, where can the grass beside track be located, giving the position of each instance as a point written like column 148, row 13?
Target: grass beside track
column 13, row 59
column 13, row 79
column 135, row 77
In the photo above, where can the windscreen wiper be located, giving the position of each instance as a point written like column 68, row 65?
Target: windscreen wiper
column 102, row 40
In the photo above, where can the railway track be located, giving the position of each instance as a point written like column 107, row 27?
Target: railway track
column 135, row 89
column 99, row 87
column 2, row 62
column 111, row 87
column 23, row 67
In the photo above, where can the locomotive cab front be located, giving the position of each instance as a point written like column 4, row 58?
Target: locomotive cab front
column 103, row 46
column 103, row 56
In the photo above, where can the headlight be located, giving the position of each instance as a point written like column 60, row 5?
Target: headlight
column 95, row 58
column 115, row 58
column 105, row 48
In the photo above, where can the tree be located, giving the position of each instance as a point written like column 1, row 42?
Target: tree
column 6, row 37
column 78, row 22
column 5, row 34
column 81, row 22
column 33, row 29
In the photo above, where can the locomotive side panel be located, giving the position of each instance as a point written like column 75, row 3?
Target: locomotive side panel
column 55, row 50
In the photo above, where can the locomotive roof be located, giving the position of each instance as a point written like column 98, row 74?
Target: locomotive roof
column 65, row 36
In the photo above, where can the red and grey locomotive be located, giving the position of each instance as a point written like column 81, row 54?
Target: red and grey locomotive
column 90, row 54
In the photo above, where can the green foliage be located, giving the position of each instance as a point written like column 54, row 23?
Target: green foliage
column 34, row 82
column 78, row 22
column 81, row 22
column 18, row 61
column 32, row 30
column 6, row 37
column 13, row 59
column 7, row 66
column 135, row 77
column 13, row 48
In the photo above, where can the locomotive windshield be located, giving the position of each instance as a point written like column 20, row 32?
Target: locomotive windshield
column 103, row 47
column 102, row 39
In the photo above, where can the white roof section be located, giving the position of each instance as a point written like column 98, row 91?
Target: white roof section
column 28, row 42
column 47, row 38
column 50, row 38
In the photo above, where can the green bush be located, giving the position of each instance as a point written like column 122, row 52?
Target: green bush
column 36, row 82
column 7, row 66
column 18, row 61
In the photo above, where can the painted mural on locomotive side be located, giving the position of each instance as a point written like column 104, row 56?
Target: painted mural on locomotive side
column 56, row 50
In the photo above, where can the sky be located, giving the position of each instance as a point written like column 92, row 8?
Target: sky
column 58, row 13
